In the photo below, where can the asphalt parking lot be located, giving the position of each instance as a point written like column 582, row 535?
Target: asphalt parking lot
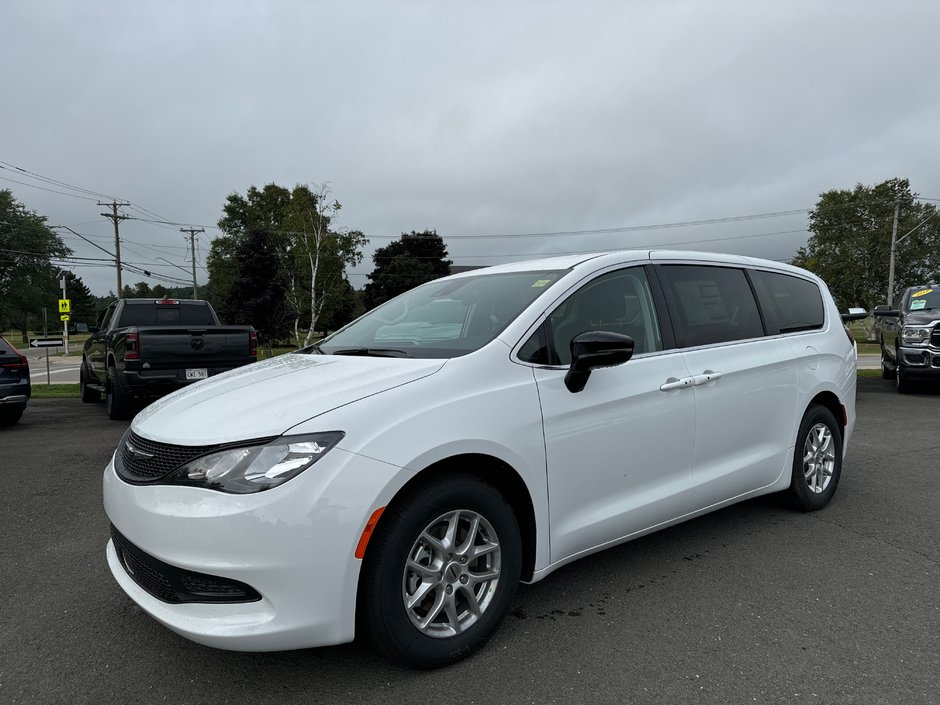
column 755, row 603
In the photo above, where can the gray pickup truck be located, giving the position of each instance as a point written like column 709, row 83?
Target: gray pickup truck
column 142, row 349
column 909, row 334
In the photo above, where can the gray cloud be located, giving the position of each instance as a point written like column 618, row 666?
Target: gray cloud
column 472, row 119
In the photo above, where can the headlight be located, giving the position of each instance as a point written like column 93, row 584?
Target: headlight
column 915, row 334
column 250, row 469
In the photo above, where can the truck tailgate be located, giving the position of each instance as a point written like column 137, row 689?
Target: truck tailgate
column 173, row 348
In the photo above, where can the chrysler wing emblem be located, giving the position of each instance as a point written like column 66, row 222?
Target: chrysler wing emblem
column 137, row 452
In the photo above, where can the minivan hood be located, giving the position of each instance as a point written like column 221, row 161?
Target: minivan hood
column 267, row 398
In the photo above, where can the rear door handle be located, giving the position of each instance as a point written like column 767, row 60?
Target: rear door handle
column 674, row 383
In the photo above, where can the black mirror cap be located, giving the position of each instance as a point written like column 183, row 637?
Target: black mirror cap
column 595, row 349
column 885, row 312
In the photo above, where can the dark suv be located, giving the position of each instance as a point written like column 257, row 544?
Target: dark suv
column 15, row 388
column 910, row 337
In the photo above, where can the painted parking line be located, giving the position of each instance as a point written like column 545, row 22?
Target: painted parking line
column 52, row 372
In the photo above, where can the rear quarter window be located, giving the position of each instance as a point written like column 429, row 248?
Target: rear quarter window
column 790, row 304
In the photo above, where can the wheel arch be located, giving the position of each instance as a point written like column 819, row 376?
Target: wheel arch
column 495, row 472
column 830, row 401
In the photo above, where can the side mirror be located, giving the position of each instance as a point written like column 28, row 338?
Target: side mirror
column 595, row 349
column 886, row 312
column 81, row 328
column 855, row 314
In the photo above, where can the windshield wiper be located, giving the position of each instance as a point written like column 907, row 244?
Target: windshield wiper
column 371, row 352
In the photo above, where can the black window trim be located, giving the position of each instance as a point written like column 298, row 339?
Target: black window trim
column 541, row 327
column 673, row 305
column 826, row 320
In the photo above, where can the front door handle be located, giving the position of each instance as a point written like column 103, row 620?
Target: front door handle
column 674, row 383
column 706, row 377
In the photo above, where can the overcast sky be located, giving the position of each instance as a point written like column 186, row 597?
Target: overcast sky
column 476, row 119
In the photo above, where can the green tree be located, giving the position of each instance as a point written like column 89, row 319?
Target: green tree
column 258, row 295
column 851, row 242
column 27, row 275
column 401, row 265
column 312, row 254
column 341, row 309
column 84, row 305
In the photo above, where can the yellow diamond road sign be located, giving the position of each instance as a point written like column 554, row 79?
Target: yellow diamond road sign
column 65, row 305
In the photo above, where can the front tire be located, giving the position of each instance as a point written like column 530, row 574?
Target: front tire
column 117, row 402
column 902, row 381
column 817, row 459
column 440, row 571
column 886, row 371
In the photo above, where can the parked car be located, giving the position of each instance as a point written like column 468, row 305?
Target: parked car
column 489, row 427
column 15, row 388
column 909, row 335
column 142, row 349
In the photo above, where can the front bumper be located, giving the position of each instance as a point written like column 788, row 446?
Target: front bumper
column 920, row 361
column 293, row 544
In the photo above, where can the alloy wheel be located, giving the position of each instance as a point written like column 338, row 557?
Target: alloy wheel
column 818, row 458
column 451, row 573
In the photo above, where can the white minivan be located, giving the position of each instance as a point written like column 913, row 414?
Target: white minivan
column 404, row 474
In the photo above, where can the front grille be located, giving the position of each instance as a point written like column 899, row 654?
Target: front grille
column 935, row 338
column 175, row 585
column 165, row 457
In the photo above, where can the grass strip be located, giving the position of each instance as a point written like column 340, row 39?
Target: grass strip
column 56, row 391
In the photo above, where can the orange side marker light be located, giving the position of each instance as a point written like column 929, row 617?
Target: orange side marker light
column 367, row 532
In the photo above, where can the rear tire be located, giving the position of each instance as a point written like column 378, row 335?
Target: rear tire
column 817, row 459
column 88, row 395
column 117, row 402
column 440, row 571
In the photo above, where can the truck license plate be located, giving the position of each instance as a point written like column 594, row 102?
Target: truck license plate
column 197, row 373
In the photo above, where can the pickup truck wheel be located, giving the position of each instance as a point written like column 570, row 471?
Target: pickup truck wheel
column 817, row 459
column 886, row 371
column 88, row 395
column 116, row 400
column 901, row 381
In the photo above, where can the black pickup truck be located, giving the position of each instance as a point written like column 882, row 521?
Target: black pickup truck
column 144, row 348
column 910, row 337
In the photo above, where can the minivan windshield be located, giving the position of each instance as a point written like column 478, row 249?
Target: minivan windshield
column 441, row 319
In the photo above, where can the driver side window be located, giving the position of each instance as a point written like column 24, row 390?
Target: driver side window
column 618, row 302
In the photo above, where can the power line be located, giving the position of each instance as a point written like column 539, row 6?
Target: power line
column 41, row 188
column 49, row 180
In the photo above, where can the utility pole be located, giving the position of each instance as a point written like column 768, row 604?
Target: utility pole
column 894, row 246
column 116, row 218
column 192, row 247
column 895, row 241
column 65, row 324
